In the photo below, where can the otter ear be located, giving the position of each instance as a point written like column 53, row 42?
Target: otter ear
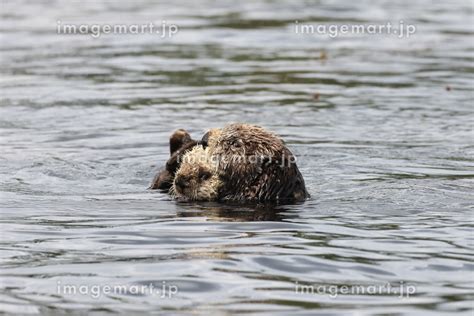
column 175, row 160
column 178, row 139
column 205, row 140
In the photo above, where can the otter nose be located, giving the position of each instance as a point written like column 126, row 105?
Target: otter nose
column 181, row 183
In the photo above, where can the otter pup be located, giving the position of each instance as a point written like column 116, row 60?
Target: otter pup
column 240, row 163
column 180, row 143
column 197, row 178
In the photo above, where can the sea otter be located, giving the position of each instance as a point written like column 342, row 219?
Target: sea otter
column 180, row 143
column 240, row 163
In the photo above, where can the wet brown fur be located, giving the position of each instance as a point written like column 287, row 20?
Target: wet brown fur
column 180, row 143
column 197, row 178
column 244, row 163
column 254, row 165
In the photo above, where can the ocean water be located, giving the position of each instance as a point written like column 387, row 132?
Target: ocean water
column 381, row 124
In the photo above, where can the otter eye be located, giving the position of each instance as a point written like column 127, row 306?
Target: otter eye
column 204, row 175
column 236, row 143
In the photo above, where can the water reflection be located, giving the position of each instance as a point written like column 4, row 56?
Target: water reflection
column 235, row 212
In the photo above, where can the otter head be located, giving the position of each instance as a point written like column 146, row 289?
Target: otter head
column 253, row 164
column 197, row 178
column 242, row 144
column 243, row 139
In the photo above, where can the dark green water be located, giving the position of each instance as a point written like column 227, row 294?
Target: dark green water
column 382, row 127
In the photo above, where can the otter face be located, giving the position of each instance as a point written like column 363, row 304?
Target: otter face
column 197, row 178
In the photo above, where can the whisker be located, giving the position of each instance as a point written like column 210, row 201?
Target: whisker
column 172, row 192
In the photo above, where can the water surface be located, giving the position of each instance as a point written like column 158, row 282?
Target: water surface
column 381, row 126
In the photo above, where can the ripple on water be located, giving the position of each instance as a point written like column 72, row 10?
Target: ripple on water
column 381, row 126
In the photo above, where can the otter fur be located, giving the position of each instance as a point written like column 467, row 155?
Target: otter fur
column 197, row 177
column 239, row 163
column 180, row 143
